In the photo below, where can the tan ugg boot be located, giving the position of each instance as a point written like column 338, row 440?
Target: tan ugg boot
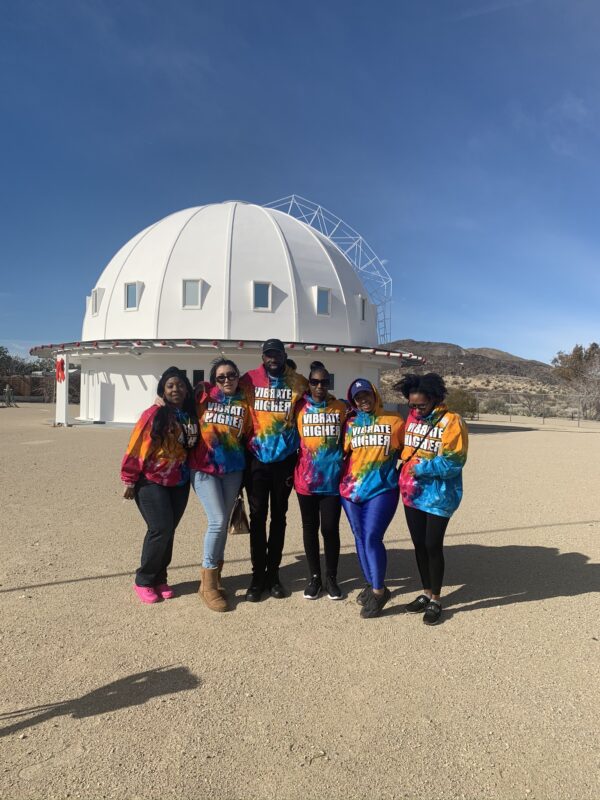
column 210, row 593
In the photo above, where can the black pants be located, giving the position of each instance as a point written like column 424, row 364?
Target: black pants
column 162, row 508
column 268, row 483
column 427, row 532
column 323, row 510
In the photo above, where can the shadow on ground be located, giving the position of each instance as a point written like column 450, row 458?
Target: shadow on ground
column 489, row 576
column 130, row 691
column 486, row 427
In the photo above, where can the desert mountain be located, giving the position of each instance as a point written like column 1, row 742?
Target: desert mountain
column 477, row 368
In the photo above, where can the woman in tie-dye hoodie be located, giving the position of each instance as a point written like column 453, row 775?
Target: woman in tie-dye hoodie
column 319, row 420
column 369, row 486
column 434, row 454
column 156, row 475
column 217, row 466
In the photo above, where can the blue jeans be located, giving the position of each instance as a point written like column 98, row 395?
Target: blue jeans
column 217, row 493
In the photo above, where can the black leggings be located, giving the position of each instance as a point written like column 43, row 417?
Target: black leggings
column 325, row 510
column 427, row 532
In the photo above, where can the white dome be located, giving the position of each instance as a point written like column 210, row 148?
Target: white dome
column 222, row 251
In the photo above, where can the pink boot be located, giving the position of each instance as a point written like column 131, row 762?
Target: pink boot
column 165, row 591
column 147, row 594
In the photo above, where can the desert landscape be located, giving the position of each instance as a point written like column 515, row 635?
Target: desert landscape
column 102, row 697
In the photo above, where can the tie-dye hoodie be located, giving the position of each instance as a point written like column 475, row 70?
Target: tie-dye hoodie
column 372, row 444
column 272, row 402
column 320, row 430
column 432, row 480
column 224, row 424
column 163, row 462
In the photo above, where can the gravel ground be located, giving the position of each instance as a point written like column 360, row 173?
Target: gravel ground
column 102, row 697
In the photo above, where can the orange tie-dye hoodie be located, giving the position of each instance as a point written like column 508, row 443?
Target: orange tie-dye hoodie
column 162, row 462
column 272, row 402
column 372, row 444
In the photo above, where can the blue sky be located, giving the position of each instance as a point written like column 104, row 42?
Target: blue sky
column 460, row 137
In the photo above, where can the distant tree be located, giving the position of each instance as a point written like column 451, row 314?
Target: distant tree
column 496, row 405
column 580, row 370
column 462, row 402
column 15, row 365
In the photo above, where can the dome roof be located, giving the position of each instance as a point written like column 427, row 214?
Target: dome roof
column 230, row 270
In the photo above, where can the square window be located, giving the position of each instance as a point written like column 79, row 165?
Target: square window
column 131, row 293
column 262, row 296
column 191, row 294
column 198, row 377
column 323, row 301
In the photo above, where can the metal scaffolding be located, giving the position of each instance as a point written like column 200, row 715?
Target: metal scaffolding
column 367, row 265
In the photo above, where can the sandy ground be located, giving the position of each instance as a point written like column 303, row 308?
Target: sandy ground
column 101, row 696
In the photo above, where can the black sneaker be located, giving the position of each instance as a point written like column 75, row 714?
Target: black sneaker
column 375, row 604
column 333, row 590
column 313, row 588
column 418, row 605
column 363, row 596
column 433, row 612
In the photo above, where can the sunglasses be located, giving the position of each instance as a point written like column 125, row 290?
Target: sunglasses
column 229, row 376
column 419, row 406
column 316, row 382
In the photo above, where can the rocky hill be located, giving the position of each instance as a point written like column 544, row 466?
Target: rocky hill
column 477, row 368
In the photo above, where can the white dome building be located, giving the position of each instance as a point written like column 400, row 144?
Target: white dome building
column 219, row 279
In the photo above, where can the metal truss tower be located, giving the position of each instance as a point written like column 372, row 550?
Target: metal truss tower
column 369, row 268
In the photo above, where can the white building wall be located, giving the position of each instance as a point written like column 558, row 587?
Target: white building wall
column 117, row 388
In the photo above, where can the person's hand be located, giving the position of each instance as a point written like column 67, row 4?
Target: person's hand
column 129, row 492
column 159, row 401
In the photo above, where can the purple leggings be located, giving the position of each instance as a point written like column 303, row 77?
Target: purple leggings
column 369, row 522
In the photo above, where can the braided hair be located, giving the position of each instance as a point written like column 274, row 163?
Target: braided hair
column 163, row 417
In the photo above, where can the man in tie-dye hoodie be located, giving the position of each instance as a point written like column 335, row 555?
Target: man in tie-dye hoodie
column 272, row 392
column 369, row 486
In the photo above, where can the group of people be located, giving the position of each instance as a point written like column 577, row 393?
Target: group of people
column 272, row 430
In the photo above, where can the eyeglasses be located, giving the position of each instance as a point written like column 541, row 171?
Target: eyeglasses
column 229, row 376
column 325, row 382
column 419, row 406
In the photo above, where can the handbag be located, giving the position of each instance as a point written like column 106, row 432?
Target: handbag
column 238, row 522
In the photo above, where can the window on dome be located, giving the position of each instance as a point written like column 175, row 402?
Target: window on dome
column 363, row 309
column 323, row 301
column 131, row 296
column 96, row 300
column 191, row 293
column 262, row 296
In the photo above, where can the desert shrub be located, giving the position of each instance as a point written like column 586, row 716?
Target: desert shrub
column 495, row 405
column 462, row 402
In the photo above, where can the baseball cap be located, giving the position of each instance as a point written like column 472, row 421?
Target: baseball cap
column 273, row 344
column 360, row 385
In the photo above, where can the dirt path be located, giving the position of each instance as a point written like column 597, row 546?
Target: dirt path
column 101, row 696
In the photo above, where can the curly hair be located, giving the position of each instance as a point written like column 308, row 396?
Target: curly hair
column 163, row 417
column 431, row 385
column 221, row 362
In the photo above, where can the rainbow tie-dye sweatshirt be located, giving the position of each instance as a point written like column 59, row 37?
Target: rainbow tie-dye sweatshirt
column 163, row 462
column 432, row 479
column 321, row 454
column 372, row 444
column 272, row 401
column 224, row 424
